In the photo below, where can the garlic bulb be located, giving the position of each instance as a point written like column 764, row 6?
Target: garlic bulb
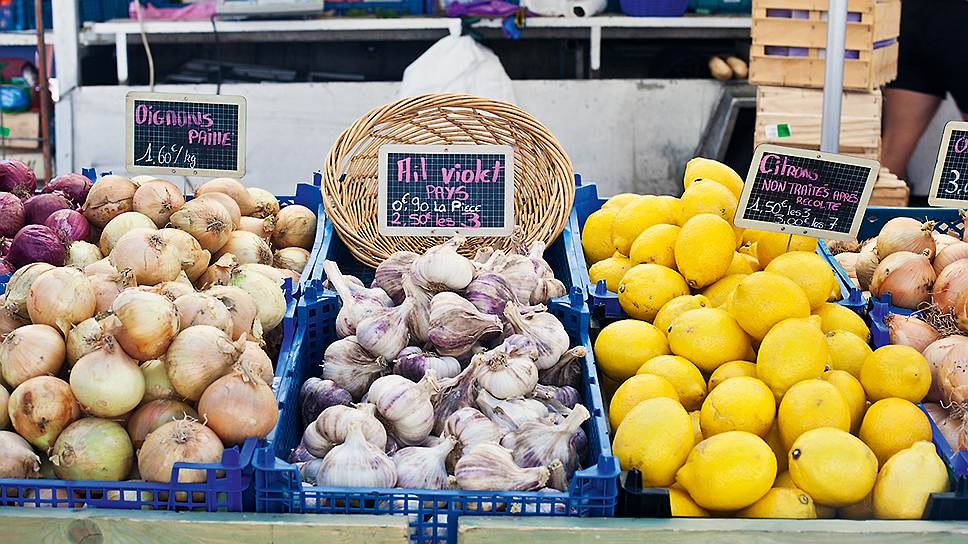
column 489, row 292
column 424, row 467
column 455, row 393
column 315, row 443
column 441, row 268
column 470, row 427
column 419, row 318
column 405, row 406
column 334, row 422
column 390, row 272
column 316, row 395
column 567, row 371
column 351, row 367
column 356, row 463
column 543, row 329
column 384, row 332
column 511, row 413
column 518, row 270
column 507, row 371
column 482, row 255
column 413, row 366
column 541, row 267
column 456, row 324
column 357, row 301
column 537, row 443
column 309, row 468
column 558, row 399
column 490, row 466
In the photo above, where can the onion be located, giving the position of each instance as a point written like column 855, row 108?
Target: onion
column 174, row 289
column 277, row 275
column 157, row 385
column 203, row 309
column 18, row 288
column 257, row 361
column 953, row 374
column 109, row 197
column 260, row 227
column 107, row 382
column 232, row 188
column 74, row 186
column 107, row 287
column 906, row 234
column 181, row 441
column 69, row 225
column 242, row 308
column 6, row 267
column 935, row 353
column 950, row 254
column 61, row 298
column 148, row 254
column 149, row 323
column 121, row 225
column 248, row 248
column 31, row 351
column 226, row 202
column 951, row 282
column 144, row 178
column 39, row 207
column 17, row 178
column 85, row 338
column 264, row 203
column 197, row 357
column 194, row 260
column 239, row 405
column 907, row 276
column 295, row 227
column 867, row 260
column 271, row 306
column 40, row 408
column 8, row 321
column 942, row 241
column 291, row 258
column 4, row 411
column 206, row 220
column 219, row 273
column 93, row 449
column 158, row 199
column 154, row 414
column 101, row 267
column 908, row 330
column 960, row 311
column 81, row 254
column 17, row 459
column 36, row 243
column 12, row 214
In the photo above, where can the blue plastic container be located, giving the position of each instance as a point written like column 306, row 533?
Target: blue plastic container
column 654, row 8
column 402, row 7
column 721, row 6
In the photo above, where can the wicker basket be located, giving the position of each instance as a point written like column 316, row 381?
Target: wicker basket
column 544, row 186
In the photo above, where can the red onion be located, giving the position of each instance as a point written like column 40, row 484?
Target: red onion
column 17, row 178
column 70, row 225
column 36, row 243
column 11, row 214
column 74, row 186
column 39, row 207
column 5, row 266
column 5, row 246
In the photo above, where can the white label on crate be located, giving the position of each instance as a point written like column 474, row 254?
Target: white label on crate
column 780, row 130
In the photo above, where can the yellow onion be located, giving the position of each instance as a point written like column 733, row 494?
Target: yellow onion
column 80, row 254
column 242, row 308
column 260, row 227
column 149, row 255
column 935, row 354
column 906, row 234
column 950, row 425
column 950, row 284
column 232, row 188
column 31, row 351
column 265, row 203
column 960, row 311
column 4, row 414
column 61, row 298
column 107, row 287
column 181, row 441
column 142, row 179
column 157, row 385
column 227, row 203
column 42, row 407
column 271, row 306
column 158, row 199
column 18, row 288
column 83, row 339
column 151, row 415
column 149, row 323
column 942, row 241
column 867, row 260
column 951, row 253
column 295, row 227
column 907, row 276
column 206, row 220
column 194, row 259
column 239, row 405
column 103, row 266
column 203, row 309
column 953, row 375
column 247, row 248
column 17, row 458
column 174, row 289
column 107, row 382
column 121, row 225
column 93, row 449
column 908, row 330
column 8, row 321
column 257, row 361
column 291, row 258
column 197, row 357
column 109, row 197
column 219, row 273
column 277, row 275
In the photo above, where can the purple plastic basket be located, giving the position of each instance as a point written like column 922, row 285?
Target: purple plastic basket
column 654, row 8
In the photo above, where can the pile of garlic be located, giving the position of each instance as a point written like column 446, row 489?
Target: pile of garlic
column 449, row 374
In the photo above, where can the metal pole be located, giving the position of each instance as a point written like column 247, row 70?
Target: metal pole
column 44, row 90
column 833, row 83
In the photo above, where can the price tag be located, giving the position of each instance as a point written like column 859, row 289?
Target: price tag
column 442, row 190
column 799, row 191
column 185, row 134
column 949, row 186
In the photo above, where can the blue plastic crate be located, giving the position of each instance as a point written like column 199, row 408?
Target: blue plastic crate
column 721, row 6
column 850, row 295
column 401, row 7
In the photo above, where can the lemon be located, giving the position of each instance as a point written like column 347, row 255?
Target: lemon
column 645, row 288
column 696, row 428
column 906, row 481
column 749, row 248
column 704, row 249
column 859, row 510
column 739, row 265
column 635, row 390
column 655, row 437
column 656, row 245
column 703, row 168
column 683, row 506
column 730, row 369
column 847, row 351
column 892, row 425
column 708, row 337
column 637, row 216
column 728, row 471
column 781, row 503
column 624, row 346
column 619, row 201
column 853, row 393
column 784, row 479
column 738, row 233
column 794, row 350
column 738, row 404
column 612, row 270
column 609, row 387
column 682, row 374
column 763, row 299
column 707, row 196
column 676, row 307
column 674, row 205
column 808, row 270
column 751, row 259
column 833, row 466
column 895, row 371
column 773, row 440
column 770, row 245
column 808, row 405
column 835, row 294
column 596, row 235
column 835, row 317
column 718, row 293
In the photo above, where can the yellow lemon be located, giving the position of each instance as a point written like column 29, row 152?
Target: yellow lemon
column 847, row 351
column 730, row 369
column 794, row 350
column 596, row 235
column 770, row 245
column 833, row 466
column 738, row 232
column 895, row 371
column 906, row 481
column 808, row 405
column 835, row 294
column 708, row 337
column 676, row 307
column 704, row 249
column 707, row 196
column 853, row 393
column 637, row 216
column 612, row 270
column 738, row 404
column 719, row 292
column 624, row 346
column 740, row 265
column 682, row 374
column 635, row 390
column 808, row 270
column 835, row 317
column 763, row 299
column 751, row 259
column 619, row 201
column 683, row 506
column 656, row 245
column 674, row 205
column 773, row 440
column 728, row 471
column 892, row 425
column 645, row 288
column 781, row 503
column 859, row 510
column 655, row 437
column 784, row 479
column 696, row 428
column 703, row 168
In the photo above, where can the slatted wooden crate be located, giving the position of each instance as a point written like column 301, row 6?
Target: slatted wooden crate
column 889, row 190
column 790, row 37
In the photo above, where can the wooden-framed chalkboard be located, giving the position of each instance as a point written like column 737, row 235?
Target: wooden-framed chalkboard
column 185, row 134
column 799, row 191
column 441, row 190
column 949, row 186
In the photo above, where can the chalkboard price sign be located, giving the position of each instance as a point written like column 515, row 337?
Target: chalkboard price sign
column 799, row 191
column 185, row 134
column 949, row 186
column 441, row 190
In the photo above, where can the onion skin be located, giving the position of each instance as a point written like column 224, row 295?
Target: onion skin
column 61, row 298
column 226, row 202
column 107, row 287
column 295, row 259
column 148, row 254
column 271, row 306
column 953, row 375
column 908, row 330
column 121, row 225
column 906, row 234
column 37, row 243
column 42, row 407
column 232, row 188
column 935, row 354
column 18, row 288
column 8, row 321
column 265, row 203
column 198, row 356
column 31, row 351
column 867, row 261
column 73, row 185
column 950, row 254
column 103, row 266
column 194, row 259
column 12, row 214
column 239, row 406
column 178, row 441
column 207, row 221
column 69, row 225
column 80, row 254
column 149, row 323
column 247, row 247
column 109, row 197
column 158, row 199
column 950, row 284
column 39, row 207
column 107, row 382
column 83, row 339
column 242, row 308
column 257, row 361
column 960, row 311
column 908, row 276
column 17, row 178
column 295, row 227
column 157, row 386
column 151, row 415
column 93, row 449
column 17, row 459
column 203, row 309
column 260, row 227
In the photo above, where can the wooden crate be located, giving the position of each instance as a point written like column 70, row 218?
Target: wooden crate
column 889, row 190
column 873, row 37
column 792, row 117
column 20, row 130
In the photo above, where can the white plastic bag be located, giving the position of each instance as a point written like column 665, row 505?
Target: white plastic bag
column 565, row 8
column 458, row 64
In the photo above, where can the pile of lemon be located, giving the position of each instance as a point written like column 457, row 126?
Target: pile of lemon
column 737, row 385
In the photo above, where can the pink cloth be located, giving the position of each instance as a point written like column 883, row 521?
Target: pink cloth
column 197, row 10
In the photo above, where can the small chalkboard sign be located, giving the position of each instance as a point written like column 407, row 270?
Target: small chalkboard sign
column 185, row 134
column 441, row 190
column 949, row 186
column 799, row 191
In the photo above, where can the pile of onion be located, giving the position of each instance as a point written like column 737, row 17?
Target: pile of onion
column 908, row 277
